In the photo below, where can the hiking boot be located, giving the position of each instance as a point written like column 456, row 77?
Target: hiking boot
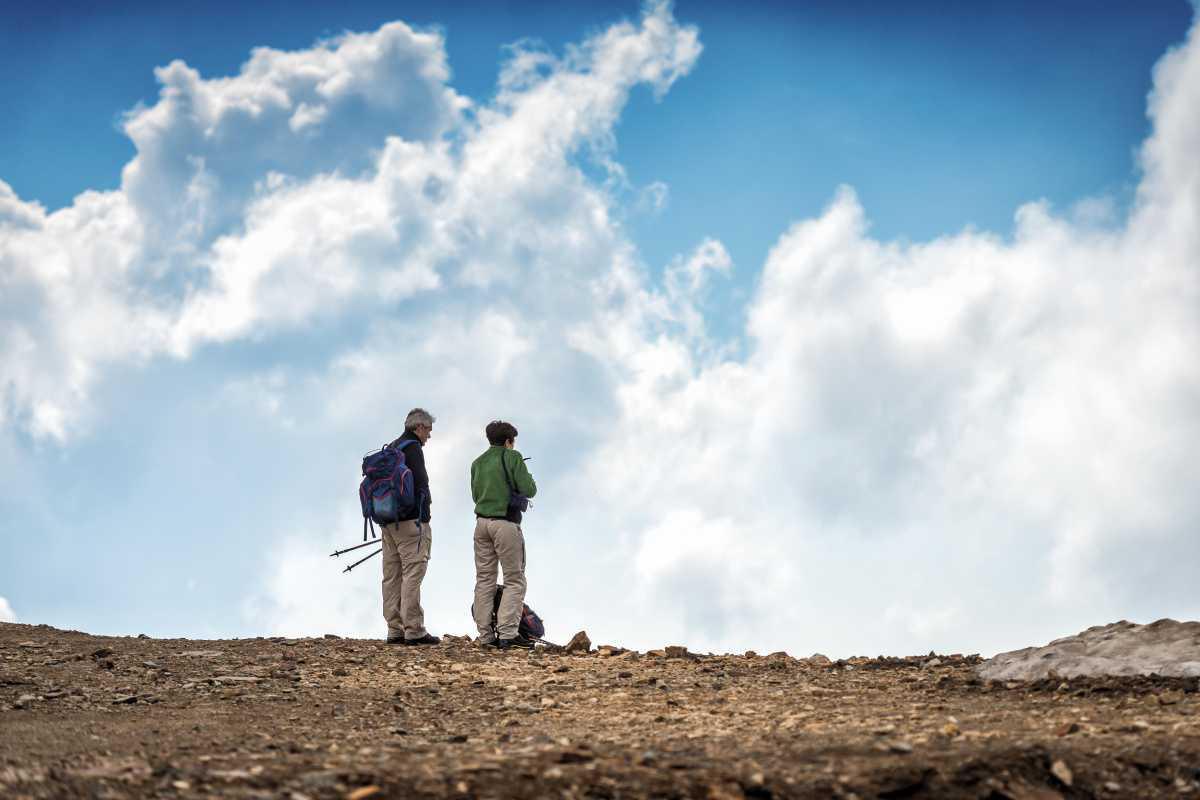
column 395, row 639
column 520, row 641
column 426, row 639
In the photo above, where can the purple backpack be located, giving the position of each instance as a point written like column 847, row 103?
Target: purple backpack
column 386, row 492
column 529, row 625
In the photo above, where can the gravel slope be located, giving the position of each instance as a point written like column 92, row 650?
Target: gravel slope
column 94, row 716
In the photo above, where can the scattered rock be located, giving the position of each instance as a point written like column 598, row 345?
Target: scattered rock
column 580, row 643
column 1066, row 729
column 576, row 756
column 454, row 720
column 1060, row 770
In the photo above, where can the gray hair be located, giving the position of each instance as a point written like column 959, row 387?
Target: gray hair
column 418, row 416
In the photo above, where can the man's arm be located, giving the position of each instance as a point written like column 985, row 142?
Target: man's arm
column 414, row 456
column 521, row 477
column 474, row 483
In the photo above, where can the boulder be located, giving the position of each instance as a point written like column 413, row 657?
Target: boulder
column 1165, row 647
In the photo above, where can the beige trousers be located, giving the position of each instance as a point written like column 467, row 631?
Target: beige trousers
column 499, row 542
column 405, row 557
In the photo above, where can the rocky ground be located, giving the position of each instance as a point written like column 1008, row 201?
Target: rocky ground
column 95, row 716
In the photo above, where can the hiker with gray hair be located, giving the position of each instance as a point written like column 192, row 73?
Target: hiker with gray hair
column 500, row 486
column 407, row 543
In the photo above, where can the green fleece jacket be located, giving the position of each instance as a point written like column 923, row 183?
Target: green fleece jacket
column 489, row 490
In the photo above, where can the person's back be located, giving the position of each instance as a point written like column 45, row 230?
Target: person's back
column 494, row 475
column 497, row 475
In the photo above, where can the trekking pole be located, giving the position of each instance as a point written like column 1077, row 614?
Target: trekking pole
column 364, row 558
column 348, row 549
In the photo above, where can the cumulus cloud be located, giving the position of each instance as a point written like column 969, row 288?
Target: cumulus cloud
column 972, row 442
column 224, row 223
column 341, row 177
column 971, row 435
column 6, row 612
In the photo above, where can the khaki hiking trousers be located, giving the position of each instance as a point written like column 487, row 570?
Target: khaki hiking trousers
column 405, row 558
column 499, row 543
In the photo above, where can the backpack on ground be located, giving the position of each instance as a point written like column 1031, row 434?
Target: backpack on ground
column 529, row 625
column 387, row 492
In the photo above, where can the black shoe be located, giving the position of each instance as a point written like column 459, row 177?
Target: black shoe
column 426, row 639
column 395, row 640
column 520, row 641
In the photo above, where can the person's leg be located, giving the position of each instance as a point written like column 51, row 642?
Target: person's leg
column 510, row 548
column 414, row 546
column 485, row 580
column 393, row 579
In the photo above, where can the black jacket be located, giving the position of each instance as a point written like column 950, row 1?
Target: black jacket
column 415, row 458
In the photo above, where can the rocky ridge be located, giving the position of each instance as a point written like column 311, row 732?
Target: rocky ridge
column 1165, row 647
column 93, row 716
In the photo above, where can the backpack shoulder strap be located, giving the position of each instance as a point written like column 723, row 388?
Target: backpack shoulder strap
column 401, row 443
column 503, row 466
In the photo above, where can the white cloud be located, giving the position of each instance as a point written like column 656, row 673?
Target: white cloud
column 652, row 198
column 950, row 441
column 965, row 443
column 6, row 612
column 240, row 211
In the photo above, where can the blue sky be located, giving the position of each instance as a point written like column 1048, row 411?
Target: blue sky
column 806, row 239
column 940, row 115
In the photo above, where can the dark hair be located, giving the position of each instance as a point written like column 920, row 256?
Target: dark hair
column 499, row 433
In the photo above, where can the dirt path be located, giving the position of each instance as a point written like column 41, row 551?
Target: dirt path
column 93, row 716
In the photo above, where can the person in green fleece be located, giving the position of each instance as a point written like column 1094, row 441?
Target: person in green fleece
column 497, row 475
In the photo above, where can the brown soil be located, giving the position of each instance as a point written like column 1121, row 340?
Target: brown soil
column 95, row 716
